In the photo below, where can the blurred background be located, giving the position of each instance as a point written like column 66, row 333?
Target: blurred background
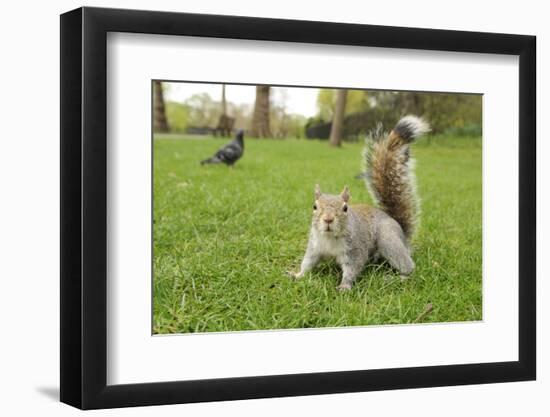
column 336, row 115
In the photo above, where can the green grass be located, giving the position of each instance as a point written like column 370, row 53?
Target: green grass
column 223, row 238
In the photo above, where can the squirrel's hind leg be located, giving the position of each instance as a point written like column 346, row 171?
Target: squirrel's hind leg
column 393, row 247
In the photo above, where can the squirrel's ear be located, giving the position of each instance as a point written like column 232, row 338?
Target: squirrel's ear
column 345, row 194
column 317, row 191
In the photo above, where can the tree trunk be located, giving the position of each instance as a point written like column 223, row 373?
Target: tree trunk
column 338, row 118
column 160, row 123
column 224, row 103
column 260, row 118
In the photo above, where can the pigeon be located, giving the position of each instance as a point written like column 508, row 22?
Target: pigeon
column 230, row 153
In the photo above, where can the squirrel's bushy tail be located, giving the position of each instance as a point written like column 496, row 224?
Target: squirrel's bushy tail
column 390, row 171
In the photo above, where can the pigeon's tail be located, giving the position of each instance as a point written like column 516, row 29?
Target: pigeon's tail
column 212, row 160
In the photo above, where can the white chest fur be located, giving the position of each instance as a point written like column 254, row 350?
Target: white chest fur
column 328, row 246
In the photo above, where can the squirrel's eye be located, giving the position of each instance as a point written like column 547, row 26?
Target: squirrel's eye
column 345, row 208
column 315, row 207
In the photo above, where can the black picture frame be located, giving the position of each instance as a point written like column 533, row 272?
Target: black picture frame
column 84, row 207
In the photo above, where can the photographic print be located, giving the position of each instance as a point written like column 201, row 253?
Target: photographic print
column 279, row 207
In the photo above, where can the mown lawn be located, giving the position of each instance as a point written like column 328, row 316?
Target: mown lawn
column 223, row 238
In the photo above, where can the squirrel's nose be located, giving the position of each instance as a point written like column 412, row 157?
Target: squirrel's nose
column 328, row 220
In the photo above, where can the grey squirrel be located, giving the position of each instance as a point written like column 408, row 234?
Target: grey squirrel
column 355, row 234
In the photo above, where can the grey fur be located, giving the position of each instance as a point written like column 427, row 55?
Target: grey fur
column 355, row 235
column 389, row 171
column 410, row 127
column 362, row 239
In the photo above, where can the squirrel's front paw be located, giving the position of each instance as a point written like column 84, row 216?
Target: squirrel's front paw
column 294, row 275
column 344, row 287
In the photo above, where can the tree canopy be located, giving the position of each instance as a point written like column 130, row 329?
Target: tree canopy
column 364, row 109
